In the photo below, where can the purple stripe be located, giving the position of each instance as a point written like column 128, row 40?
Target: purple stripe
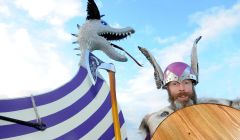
column 109, row 133
column 24, row 103
column 148, row 137
column 90, row 123
column 53, row 119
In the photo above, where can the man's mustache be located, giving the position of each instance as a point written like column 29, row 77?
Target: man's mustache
column 183, row 94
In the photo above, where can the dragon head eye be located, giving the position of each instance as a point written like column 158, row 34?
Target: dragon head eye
column 103, row 22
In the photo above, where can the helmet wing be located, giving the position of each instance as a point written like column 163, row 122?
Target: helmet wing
column 194, row 58
column 158, row 73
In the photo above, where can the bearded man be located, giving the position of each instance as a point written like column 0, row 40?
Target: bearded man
column 179, row 79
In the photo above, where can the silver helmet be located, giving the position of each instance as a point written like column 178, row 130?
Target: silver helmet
column 177, row 71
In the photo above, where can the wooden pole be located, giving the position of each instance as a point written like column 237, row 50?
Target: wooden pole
column 114, row 105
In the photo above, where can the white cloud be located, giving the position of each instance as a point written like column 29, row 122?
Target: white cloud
column 176, row 52
column 165, row 40
column 233, row 60
column 4, row 10
column 55, row 12
column 210, row 70
column 216, row 21
column 28, row 67
column 147, row 30
column 29, row 58
column 116, row 25
column 58, row 33
column 212, row 24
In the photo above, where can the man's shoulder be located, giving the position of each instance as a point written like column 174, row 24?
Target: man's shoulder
column 164, row 112
column 214, row 101
column 151, row 121
column 232, row 103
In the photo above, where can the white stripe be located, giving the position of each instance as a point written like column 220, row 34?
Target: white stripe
column 48, row 109
column 101, row 127
column 71, row 123
column 123, row 132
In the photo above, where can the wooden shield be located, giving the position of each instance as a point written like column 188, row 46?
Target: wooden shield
column 200, row 122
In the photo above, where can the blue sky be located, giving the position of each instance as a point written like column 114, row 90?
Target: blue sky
column 36, row 54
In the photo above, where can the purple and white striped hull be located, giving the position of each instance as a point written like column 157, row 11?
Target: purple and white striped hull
column 77, row 110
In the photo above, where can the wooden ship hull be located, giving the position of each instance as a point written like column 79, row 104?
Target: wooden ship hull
column 77, row 110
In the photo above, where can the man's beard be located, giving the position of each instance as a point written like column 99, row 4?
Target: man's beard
column 179, row 105
column 176, row 105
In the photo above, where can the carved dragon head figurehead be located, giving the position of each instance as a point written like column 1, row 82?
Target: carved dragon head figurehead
column 96, row 34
